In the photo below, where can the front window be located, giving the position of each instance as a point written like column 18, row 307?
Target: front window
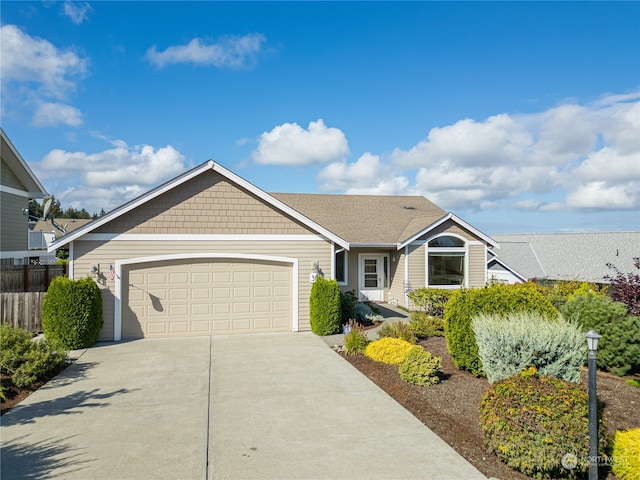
column 341, row 266
column 446, row 262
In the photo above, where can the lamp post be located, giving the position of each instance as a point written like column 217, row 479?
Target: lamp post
column 592, row 343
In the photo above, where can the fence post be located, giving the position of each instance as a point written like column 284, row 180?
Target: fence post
column 25, row 283
column 46, row 277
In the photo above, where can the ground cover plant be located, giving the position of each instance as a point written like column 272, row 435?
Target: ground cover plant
column 388, row 350
column 626, row 454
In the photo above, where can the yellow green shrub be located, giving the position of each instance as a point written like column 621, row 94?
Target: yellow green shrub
column 388, row 350
column 626, row 454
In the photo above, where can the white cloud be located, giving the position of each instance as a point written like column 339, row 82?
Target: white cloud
column 590, row 153
column 36, row 61
column 113, row 176
column 366, row 176
column 76, row 11
column 229, row 52
column 52, row 114
column 291, row 145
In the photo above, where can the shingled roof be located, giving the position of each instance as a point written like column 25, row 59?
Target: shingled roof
column 366, row 219
column 569, row 256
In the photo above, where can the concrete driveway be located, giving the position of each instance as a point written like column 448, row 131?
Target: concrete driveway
column 277, row 406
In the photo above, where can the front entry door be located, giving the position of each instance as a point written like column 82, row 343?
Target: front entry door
column 371, row 282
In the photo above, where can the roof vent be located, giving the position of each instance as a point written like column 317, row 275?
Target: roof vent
column 409, row 207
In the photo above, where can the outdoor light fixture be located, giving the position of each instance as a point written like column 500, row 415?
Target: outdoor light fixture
column 592, row 343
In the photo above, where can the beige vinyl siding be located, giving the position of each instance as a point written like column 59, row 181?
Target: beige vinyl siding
column 477, row 266
column 14, row 223
column 396, row 287
column 206, row 204
column 416, row 261
column 102, row 254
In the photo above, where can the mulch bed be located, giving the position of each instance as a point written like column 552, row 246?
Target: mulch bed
column 14, row 395
column 450, row 408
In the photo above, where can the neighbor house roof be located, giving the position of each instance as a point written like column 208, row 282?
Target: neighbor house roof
column 568, row 256
column 69, row 224
column 12, row 158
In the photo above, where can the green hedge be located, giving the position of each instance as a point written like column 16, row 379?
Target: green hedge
column 324, row 307
column 493, row 299
column 72, row 313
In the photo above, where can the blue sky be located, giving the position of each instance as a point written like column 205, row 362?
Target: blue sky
column 516, row 116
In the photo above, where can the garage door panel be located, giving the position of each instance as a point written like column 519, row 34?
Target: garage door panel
column 193, row 297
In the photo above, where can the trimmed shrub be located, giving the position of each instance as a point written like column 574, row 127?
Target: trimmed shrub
column 626, row 454
column 530, row 422
column 24, row 360
column 425, row 325
column 388, row 350
column 508, row 344
column 348, row 302
column 431, row 300
column 356, row 340
column 72, row 313
column 619, row 347
column 399, row 330
column 493, row 299
column 419, row 367
column 324, row 307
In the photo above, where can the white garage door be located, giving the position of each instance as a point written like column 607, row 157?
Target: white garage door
column 192, row 297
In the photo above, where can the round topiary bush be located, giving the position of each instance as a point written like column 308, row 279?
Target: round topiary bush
column 388, row 350
column 419, row 367
column 493, row 299
column 531, row 422
column 72, row 313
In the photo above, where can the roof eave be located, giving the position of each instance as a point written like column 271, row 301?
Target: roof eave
column 437, row 223
column 39, row 191
column 208, row 165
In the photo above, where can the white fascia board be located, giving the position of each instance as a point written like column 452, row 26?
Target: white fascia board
column 283, row 207
column 196, row 237
column 21, row 193
column 374, row 245
column 209, row 165
column 456, row 219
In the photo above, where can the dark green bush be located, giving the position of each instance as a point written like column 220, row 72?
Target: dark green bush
column 431, row 300
column 419, row 367
column 24, row 360
column 619, row 347
column 399, row 330
column 72, row 313
column 324, row 307
column 348, row 303
column 425, row 325
column 493, row 299
column 531, row 422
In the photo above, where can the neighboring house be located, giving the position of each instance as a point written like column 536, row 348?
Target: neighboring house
column 18, row 185
column 42, row 233
column 563, row 256
column 209, row 252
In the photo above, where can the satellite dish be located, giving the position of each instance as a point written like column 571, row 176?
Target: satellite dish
column 46, row 208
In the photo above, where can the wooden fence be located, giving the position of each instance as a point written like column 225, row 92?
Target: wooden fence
column 22, row 309
column 29, row 278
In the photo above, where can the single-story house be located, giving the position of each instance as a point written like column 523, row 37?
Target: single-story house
column 563, row 256
column 208, row 252
column 18, row 186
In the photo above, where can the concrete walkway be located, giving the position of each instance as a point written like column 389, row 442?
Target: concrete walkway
column 279, row 406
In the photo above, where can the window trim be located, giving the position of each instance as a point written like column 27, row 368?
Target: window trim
column 345, row 265
column 464, row 250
